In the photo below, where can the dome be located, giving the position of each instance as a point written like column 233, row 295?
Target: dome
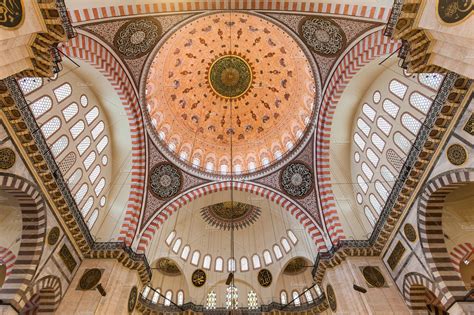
column 230, row 78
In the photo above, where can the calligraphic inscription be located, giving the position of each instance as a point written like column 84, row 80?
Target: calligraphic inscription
column 67, row 258
column 396, row 255
column 454, row 11
column 198, row 278
column 90, row 279
column 132, row 299
column 53, row 236
column 373, row 276
column 11, row 13
column 410, row 232
column 331, row 296
column 265, row 277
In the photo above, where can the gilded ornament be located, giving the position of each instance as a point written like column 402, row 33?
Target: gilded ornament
column 165, row 180
column 137, row 37
column 198, row 277
column 296, row 179
column 396, row 255
column 7, row 158
column 331, row 296
column 324, row 36
column 132, row 299
column 67, row 258
column 90, row 279
column 12, row 13
column 457, row 154
column 295, row 266
column 53, row 236
column 168, row 267
column 265, row 277
column 410, row 232
column 454, row 11
column 373, row 276
column 224, row 215
column 469, row 126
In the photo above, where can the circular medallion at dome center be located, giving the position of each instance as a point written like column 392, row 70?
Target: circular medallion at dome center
column 230, row 76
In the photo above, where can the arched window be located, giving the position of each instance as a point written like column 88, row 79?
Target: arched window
column 74, row 178
column 369, row 111
column 70, row 111
column 390, row 108
column 41, row 106
column 176, row 246
column 267, row 257
column 375, row 203
column 169, row 298
column 256, row 261
column 94, row 174
column 58, row 147
column 289, row 145
column 370, row 216
column 283, row 298
column 209, row 166
column 252, row 301
column 244, row 264
column 292, row 236
column 84, row 100
column 395, row 159
column 367, row 171
column 206, row 262
column 100, row 186
column 387, row 175
column 51, row 126
column 92, row 115
column 183, row 155
column 296, row 298
column 102, row 144
column 63, row 92
column 420, row 102
column 224, row 168
column 87, row 206
column 231, row 265
column 170, row 238
column 145, row 292
column 362, row 183
column 211, row 300
column 180, row 299
column 363, row 126
column 308, row 296
column 238, row 169
column 196, row 162
column 381, row 190
column 97, row 130
column 83, row 145
column 286, row 245
column 431, row 80
column 277, row 154
column 398, row 88
column 317, row 289
column 195, row 258
column 185, row 252
column 251, row 166
column 219, row 264
column 28, row 85
column 81, row 193
column 359, row 141
column 77, row 129
column 402, row 142
column 277, row 252
column 372, row 156
column 378, row 142
column 384, row 125
column 92, row 219
column 265, row 161
column 89, row 160
column 411, row 123
column 155, row 298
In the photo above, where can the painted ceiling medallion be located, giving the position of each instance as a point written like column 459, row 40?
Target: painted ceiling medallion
column 7, row 158
column 165, row 180
column 230, row 76
column 457, row 154
column 296, row 179
column 137, row 37
column 324, row 36
column 221, row 215
column 295, row 266
column 167, row 267
column 216, row 63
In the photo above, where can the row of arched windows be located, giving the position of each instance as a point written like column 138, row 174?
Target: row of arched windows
column 75, row 134
column 154, row 295
column 297, row 297
column 244, row 262
column 395, row 116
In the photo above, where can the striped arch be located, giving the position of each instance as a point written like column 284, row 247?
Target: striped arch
column 7, row 258
column 44, row 296
column 430, row 214
column 32, row 238
column 363, row 11
column 160, row 218
column 86, row 48
column 459, row 253
column 369, row 48
column 414, row 291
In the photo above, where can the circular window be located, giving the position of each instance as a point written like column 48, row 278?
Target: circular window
column 105, row 159
column 102, row 201
column 84, row 100
column 357, row 157
column 359, row 198
column 376, row 97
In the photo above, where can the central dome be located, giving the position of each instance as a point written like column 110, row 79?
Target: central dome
column 229, row 77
